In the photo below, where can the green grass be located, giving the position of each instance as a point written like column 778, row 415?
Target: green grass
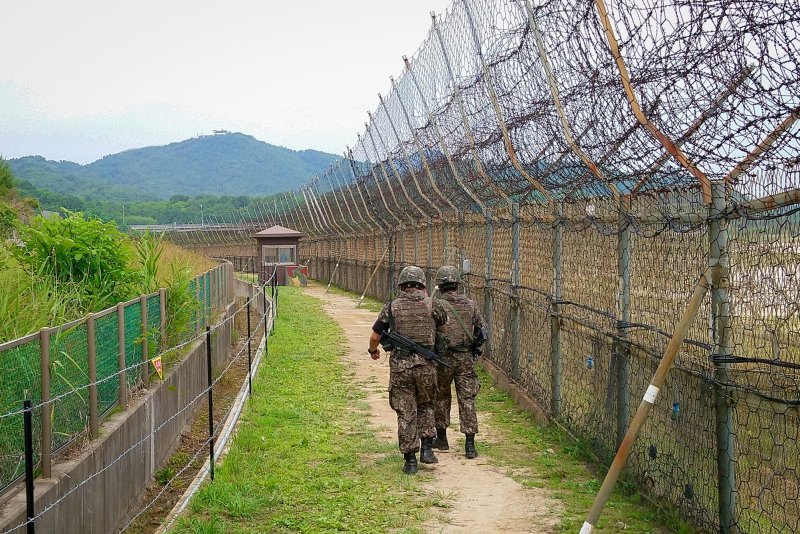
column 304, row 458
column 547, row 457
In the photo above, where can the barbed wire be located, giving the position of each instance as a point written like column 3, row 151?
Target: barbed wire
column 148, row 436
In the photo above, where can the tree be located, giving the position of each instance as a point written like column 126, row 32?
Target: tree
column 7, row 181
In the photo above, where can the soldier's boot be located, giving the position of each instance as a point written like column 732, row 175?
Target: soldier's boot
column 469, row 447
column 440, row 441
column 410, row 467
column 426, row 455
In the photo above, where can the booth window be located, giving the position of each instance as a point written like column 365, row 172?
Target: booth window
column 278, row 254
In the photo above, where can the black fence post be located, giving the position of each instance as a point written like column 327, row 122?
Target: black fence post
column 210, row 404
column 28, row 429
column 249, row 357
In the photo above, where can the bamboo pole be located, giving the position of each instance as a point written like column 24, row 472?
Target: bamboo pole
column 649, row 399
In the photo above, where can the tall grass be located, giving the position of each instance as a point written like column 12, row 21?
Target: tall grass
column 30, row 299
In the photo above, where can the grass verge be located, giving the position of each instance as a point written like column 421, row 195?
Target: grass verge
column 547, row 457
column 304, row 458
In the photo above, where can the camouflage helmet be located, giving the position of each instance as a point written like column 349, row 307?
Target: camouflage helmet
column 410, row 274
column 447, row 274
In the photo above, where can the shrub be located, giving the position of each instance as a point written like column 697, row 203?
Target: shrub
column 87, row 256
column 8, row 219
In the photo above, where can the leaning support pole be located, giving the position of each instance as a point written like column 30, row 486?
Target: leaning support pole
column 369, row 280
column 648, row 400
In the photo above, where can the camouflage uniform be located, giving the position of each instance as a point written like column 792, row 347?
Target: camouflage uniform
column 412, row 378
column 459, row 356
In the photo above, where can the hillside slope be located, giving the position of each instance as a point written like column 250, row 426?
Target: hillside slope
column 224, row 164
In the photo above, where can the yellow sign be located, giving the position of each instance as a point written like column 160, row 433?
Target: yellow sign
column 159, row 368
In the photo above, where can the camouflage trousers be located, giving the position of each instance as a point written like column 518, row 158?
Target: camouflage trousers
column 412, row 393
column 463, row 374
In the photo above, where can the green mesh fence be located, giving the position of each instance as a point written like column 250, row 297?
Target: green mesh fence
column 133, row 343
column 69, row 371
column 21, row 380
column 107, row 334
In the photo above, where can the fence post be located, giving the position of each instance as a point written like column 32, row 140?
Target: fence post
column 162, row 307
column 446, row 241
column 403, row 246
column 515, row 292
column 460, row 231
column 429, row 261
column 249, row 355
column 210, row 403
column 47, row 407
column 91, row 350
column 123, row 383
column 488, row 311
column 27, row 424
column 555, row 312
column 145, row 349
column 621, row 350
column 723, row 348
column 416, row 246
column 390, row 271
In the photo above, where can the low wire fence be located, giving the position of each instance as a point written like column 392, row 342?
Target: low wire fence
column 77, row 373
column 593, row 165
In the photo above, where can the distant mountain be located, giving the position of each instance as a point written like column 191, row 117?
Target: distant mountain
column 220, row 164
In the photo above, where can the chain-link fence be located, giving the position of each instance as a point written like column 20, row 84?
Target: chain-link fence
column 72, row 372
column 610, row 174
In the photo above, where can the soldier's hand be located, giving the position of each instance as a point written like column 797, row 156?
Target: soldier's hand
column 375, row 355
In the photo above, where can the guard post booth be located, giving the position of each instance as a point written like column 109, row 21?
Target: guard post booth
column 277, row 248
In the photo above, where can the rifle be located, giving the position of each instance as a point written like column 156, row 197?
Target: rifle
column 399, row 341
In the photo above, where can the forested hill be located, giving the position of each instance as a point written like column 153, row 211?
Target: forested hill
column 222, row 164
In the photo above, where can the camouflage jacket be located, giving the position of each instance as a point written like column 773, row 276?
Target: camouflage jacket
column 415, row 316
column 452, row 330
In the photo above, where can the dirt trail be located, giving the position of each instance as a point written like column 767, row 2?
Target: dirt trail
column 479, row 497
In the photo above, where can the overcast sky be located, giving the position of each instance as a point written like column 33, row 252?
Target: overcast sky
column 87, row 78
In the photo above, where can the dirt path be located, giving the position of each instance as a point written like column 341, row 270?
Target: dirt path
column 478, row 496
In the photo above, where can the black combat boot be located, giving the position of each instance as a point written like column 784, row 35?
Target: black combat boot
column 469, row 446
column 426, row 452
column 410, row 467
column 440, row 441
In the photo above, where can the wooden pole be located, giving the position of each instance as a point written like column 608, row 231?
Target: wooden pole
column 648, row 401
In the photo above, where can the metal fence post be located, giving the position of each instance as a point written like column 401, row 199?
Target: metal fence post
column 123, row 383
column 392, row 260
column 91, row 357
column 416, row 246
column 555, row 313
column 403, row 247
column 621, row 350
column 145, row 350
column 249, row 350
column 210, row 403
column 47, row 408
column 429, row 260
column 515, row 293
column 446, row 242
column 723, row 348
column 27, row 424
column 488, row 311
column 460, row 231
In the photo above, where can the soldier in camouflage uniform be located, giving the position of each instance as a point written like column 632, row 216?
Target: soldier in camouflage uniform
column 412, row 378
column 459, row 346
